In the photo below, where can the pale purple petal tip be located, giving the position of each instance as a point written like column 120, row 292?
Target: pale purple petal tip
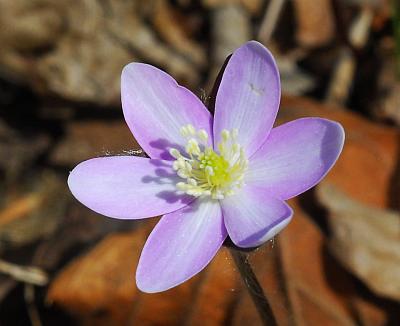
column 253, row 217
column 296, row 156
column 127, row 187
column 156, row 107
column 248, row 96
column 180, row 246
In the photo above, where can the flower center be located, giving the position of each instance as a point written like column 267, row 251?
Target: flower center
column 206, row 172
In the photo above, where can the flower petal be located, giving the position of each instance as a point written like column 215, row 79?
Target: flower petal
column 127, row 187
column 296, row 156
column 248, row 96
column 156, row 107
column 180, row 246
column 252, row 216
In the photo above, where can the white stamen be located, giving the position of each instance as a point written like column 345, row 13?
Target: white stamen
column 191, row 130
column 175, row 153
column 184, row 132
column 206, row 172
column 225, row 135
column 235, row 133
column 203, row 136
column 192, row 182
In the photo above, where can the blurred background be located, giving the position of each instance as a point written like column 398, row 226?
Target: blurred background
column 337, row 263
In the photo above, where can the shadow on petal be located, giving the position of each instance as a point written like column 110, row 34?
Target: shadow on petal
column 165, row 145
column 174, row 197
column 163, row 175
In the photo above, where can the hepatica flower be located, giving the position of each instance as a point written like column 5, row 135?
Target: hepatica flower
column 209, row 176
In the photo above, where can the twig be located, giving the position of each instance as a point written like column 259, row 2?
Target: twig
column 342, row 78
column 360, row 28
column 253, row 286
column 20, row 208
column 343, row 75
column 27, row 274
column 29, row 295
column 270, row 20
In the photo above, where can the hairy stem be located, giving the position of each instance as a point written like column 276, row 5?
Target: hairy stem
column 253, row 286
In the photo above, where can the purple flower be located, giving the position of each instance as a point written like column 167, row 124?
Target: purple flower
column 210, row 177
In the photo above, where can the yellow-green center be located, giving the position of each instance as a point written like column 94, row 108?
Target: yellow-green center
column 206, row 172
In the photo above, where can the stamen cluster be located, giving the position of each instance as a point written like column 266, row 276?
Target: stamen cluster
column 206, row 172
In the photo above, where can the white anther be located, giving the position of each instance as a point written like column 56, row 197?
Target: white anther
column 192, row 182
column 235, row 133
column 183, row 174
column 181, row 186
column 184, row 132
column 191, row 130
column 203, row 136
column 181, row 163
column 175, row 153
column 192, row 147
column 225, row 134
column 175, row 165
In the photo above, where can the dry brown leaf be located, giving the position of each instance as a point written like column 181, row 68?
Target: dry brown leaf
column 315, row 23
column 217, row 293
column 316, row 285
column 33, row 214
column 83, row 47
column 99, row 287
column 365, row 239
column 167, row 23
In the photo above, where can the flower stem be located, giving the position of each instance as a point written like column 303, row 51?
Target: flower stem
column 253, row 286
